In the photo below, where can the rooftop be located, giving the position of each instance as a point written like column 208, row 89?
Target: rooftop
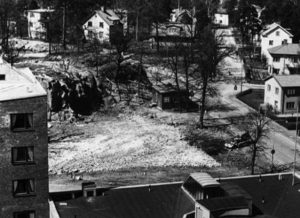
column 108, row 16
column 286, row 49
column 224, row 203
column 42, row 10
column 287, row 80
column 272, row 27
column 272, row 195
column 204, row 179
column 18, row 83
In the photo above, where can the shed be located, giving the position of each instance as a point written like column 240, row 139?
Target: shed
column 167, row 96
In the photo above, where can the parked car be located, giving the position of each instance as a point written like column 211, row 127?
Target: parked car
column 239, row 141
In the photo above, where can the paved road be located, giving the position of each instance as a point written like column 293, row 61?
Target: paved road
column 283, row 140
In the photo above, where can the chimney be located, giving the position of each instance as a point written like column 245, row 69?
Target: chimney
column 89, row 189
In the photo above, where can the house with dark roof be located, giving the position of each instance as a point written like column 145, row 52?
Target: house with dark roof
column 102, row 24
column 200, row 196
column 282, row 92
column 285, row 59
column 273, row 35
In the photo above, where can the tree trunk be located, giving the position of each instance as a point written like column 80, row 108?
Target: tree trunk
column 253, row 159
column 157, row 37
column 202, row 109
column 137, row 27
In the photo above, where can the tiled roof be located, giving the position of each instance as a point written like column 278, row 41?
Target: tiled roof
column 18, row 83
column 286, row 49
column 288, row 80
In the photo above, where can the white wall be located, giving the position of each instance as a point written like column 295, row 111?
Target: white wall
column 277, row 40
column 37, row 27
column 271, row 96
column 283, row 64
column 96, row 29
column 221, row 19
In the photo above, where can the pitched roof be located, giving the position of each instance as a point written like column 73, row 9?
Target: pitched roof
column 286, row 49
column 272, row 27
column 108, row 16
column 42, row 10
column 286, row 81
column 18, row 83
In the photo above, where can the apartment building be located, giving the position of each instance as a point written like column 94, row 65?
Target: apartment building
column 23, row 145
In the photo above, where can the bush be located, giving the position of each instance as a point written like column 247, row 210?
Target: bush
column 207, row 139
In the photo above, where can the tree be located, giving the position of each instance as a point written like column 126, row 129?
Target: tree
column 210, row 52
column 158, row 12
column 258, row 129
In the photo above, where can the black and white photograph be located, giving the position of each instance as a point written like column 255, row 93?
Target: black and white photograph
column 149, row 108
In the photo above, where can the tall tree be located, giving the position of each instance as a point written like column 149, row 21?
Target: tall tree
column 210, row 52
column 258, row 129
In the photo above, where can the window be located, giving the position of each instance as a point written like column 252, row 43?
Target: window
column 295, row 60
column 24, row 214
column 31, row 14
column 290, row 105
column 271, row 42
column 90, row 34
column 21, row 122
column 90, row 23
column 30, row 24
column 291, row 91
column 276, row 59
column 23, row 187
column 100, row 35
column 276, row 91
column 269, row 87
column 101, row 24
column 166, row 99
column 284, row 42
column 22, row 155
column 277, row 33
column 2, row 76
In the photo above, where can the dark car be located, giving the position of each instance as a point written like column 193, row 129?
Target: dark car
column 239, row 141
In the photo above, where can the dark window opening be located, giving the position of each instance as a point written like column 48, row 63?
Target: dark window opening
column 2, row 76
column 89, row 193
column 24, row 214
column 23, row 187
column 101, row 24
column 22, row 155
column 90, row 23
column 21, row 122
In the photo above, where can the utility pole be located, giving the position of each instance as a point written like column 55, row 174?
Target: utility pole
column 295, row 152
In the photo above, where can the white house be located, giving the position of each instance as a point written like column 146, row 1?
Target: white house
column 37, row 28
column 221, row 18
column 100, row 24
column 274, row 35
column 285, row 59
column 282, row 92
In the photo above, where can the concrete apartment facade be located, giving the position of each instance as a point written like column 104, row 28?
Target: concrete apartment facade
column 24, row 145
